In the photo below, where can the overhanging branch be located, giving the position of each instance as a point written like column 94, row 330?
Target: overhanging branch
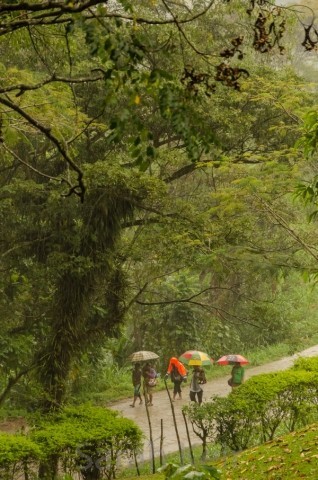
column 78, row 189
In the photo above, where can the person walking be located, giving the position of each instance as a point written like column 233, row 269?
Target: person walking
column 198, row 379
column 149, row 374
column 136, row 381
column 237, row 375
column 178, row 374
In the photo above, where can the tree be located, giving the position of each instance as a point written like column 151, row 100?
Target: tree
column 97, row 139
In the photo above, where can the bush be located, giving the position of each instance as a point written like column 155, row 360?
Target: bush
column 282, row 399
column 257, row 410
column 89, row 440
column 307, row 364
column 172, row 471
column 18, row 455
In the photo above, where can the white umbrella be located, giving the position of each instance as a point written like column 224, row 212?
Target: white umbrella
column 143, row 356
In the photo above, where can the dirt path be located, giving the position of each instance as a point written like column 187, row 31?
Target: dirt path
column 162, row 409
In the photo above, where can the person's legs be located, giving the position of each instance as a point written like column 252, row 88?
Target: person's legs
column 136, row 395
column 193, row 396
column 146, row 393
column 150, row 398
column 178, row 389
column 175, row 390
column 200, row 396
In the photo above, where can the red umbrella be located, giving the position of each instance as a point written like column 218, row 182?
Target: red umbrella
column 230, row 359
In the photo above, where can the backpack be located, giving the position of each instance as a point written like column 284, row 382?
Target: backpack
column 175, row 375
column 152, row 380
column 202, row 377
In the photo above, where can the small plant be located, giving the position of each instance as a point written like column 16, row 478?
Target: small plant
column 173, row 471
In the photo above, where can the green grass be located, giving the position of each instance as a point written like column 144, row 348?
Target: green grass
column 145, row 468
column 293, row 456
column 290, row 457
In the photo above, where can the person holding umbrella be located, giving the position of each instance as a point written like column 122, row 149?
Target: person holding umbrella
column 196, row 359
column 237, row 375
column 148, row 373
column 198, row 378
column 238, row 371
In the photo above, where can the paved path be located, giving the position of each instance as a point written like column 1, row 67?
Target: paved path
column 162, row 410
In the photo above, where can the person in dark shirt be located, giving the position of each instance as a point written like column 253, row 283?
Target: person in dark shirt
column 136, row 381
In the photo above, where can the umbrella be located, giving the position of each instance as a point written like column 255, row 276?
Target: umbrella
column 195, row 357
column 143, row 356
column 230, row 359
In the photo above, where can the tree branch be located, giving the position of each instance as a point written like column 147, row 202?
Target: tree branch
column 60, row 8
column 282, row 222
column 78, row 189
column 54, row 78
column 13, row 381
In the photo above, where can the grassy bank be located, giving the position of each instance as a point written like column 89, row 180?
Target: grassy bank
column 292, row 456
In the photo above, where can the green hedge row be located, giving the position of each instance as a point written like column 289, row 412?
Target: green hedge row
column 86, row 440
column 259, row 409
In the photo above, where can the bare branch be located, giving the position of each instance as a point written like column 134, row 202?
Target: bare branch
column 78, row 189
column 59, row 10
column 13, row 381
column 54, row 78
column 282, row 222
column 19, row 159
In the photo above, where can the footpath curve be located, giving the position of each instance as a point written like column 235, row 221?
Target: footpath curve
column 161, row 409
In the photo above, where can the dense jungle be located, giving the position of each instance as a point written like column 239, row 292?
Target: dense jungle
column 158, row 191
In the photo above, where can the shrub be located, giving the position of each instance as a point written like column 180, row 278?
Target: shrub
column 172, row 471
column 202, row 418
column 18, row 456
column 307, row 364
column 257, row 410
column 281, row 399
column 89, row 440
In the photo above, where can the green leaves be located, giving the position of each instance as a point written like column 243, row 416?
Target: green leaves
column 309, row 141
column 190, row 472
column 15, row 449
column 83, row 437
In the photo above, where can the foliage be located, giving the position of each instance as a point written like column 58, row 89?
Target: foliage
column 175, row 472
column 87, row 439
column 130, row 199
column 18, row 454
column 291, row 456
column 253, row 413
column 307, row 364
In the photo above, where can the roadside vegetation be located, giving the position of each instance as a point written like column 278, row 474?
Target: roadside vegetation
column 236, row 432
column 158, row 191
column 288, row 457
